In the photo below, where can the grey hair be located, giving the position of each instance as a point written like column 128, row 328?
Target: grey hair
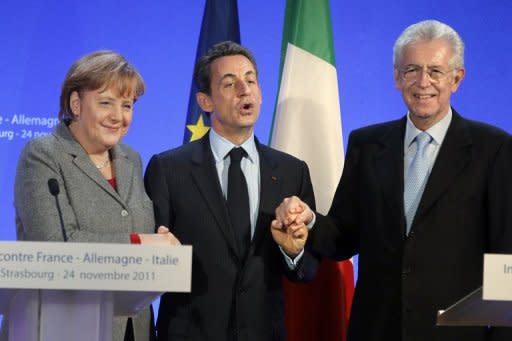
column 429, row 30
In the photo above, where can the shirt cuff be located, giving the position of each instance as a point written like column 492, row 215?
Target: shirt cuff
column 292, row 263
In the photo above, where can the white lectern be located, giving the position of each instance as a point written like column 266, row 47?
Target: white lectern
column 489, row 305
column 71, row 291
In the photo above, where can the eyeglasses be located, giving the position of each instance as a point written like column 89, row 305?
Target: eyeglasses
column 413, row 72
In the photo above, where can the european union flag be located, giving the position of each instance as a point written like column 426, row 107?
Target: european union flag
column 220, row 23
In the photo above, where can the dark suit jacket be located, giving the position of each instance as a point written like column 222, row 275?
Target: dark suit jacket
column 230, row 299
column 465, row 211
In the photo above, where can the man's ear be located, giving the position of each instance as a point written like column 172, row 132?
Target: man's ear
column 396, row 77
column 457, row 79
column 204, row 101
column 74, row 103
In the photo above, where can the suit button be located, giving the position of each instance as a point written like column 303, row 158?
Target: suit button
column 241, row 290
column 233, row 257
column 405, row 272
column 124, row 213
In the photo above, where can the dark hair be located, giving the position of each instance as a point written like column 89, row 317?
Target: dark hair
column 202, row 70
column 100, row 69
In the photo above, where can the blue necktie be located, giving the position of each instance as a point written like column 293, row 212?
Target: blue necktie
column 417, row 176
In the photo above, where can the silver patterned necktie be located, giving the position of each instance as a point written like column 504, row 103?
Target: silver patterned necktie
column 417, row 176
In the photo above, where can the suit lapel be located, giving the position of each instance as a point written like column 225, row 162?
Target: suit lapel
column 389, row 167
column 453, row 158
column 124, row 169
column 207, row 181
column 82, row 161
column 270, row 185
column 85, row 165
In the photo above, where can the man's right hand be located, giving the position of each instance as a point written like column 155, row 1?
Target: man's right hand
column 162, row 237
column 293, row 211
column 291, row 238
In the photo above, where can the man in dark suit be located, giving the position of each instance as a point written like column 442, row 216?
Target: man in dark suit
column 237, row 266
column 421, row 199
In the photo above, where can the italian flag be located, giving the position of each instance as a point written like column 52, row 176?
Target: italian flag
column 307, row 124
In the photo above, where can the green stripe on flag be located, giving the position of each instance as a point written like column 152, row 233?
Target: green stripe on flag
column 307, row 25
column 305, row 22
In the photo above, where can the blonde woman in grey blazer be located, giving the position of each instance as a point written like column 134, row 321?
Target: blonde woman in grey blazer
column 101, row 195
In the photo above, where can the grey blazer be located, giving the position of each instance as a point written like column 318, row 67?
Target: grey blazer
column 92, row 210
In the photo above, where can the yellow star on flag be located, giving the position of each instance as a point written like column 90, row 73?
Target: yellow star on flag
column 198, row 130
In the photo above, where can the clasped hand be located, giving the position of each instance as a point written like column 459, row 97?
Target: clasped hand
column 289, row 229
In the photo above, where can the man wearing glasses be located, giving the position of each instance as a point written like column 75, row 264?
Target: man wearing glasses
column 421, row 199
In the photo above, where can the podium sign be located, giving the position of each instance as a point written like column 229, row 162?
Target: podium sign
column 490, row 305
column 497, row 277
column 95, row 266
column 71, row 291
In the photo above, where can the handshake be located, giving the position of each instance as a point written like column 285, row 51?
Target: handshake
column 290, row 228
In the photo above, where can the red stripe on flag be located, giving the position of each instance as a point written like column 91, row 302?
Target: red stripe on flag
column 320, row 310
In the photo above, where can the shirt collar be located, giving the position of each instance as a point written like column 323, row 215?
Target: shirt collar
column 437, row 131
column 221, row 147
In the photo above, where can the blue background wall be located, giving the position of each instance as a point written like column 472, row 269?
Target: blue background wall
column 39, row 40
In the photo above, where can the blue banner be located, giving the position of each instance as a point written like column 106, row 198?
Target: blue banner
column 220, row 23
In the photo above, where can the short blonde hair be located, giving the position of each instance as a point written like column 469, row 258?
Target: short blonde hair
column 100, row 69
